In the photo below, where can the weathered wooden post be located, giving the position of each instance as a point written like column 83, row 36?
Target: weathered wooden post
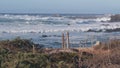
column 109, row 47
column 63, row 41
column 67, row 40
column 33, row 50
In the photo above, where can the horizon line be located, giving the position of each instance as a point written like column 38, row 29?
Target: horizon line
column 55, row 13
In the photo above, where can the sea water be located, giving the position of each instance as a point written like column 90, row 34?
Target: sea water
column 47, row 29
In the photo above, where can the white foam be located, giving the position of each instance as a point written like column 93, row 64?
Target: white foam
column 57, row 28
column 40, row 24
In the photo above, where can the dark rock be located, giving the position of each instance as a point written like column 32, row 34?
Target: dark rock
column 90, row 30
column 44, row 36
column 113, row 30
column 115, row 18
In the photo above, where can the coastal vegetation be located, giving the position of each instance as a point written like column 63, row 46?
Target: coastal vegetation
column 23, row 53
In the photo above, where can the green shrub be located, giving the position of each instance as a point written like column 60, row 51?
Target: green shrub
column 19, row 44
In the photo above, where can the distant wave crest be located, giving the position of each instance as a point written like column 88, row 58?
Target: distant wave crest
column 40, row 24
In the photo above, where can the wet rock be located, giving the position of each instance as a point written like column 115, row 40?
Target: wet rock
column 115, row 18
column 44, row 36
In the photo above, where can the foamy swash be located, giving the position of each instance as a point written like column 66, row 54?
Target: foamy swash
column 12, row 23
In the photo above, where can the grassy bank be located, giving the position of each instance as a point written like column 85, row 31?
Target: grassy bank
column 23, row 53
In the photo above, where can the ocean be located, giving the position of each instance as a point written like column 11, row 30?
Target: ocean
column 47, row 29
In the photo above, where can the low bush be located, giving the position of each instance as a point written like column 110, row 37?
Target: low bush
column 19, row 44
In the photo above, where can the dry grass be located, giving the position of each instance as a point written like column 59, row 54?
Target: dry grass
column 105, row 55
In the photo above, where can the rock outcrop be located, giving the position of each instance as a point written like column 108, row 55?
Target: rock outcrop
column 115, row 18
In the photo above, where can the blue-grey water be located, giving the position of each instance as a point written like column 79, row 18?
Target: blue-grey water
column 46, row 29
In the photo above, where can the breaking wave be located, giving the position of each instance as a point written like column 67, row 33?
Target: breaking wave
column 10, row 23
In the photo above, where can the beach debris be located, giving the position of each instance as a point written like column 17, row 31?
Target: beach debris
column 97, row 43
